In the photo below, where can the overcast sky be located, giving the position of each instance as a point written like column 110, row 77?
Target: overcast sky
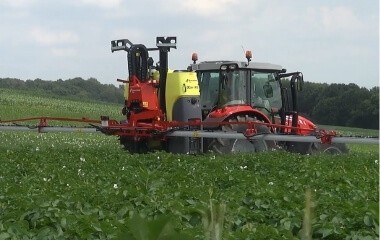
column 329, row 41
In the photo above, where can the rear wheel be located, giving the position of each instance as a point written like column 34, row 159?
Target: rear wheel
column 317, row 148
column 134, row 146
column 333, row 148
column 225, row 145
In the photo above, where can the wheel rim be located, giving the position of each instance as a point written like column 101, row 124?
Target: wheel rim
column 317, row 148
column 332, row 150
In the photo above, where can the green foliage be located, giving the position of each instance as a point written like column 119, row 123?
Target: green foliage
column 306, row 232
column 160, row 228
column 84, row 186
column 213, row 218
column 74, row 89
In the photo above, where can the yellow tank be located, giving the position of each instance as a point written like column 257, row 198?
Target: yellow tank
column 180, row 84
column 156, row 74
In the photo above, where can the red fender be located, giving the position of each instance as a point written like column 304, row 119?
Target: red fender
column 305, row 125
column 221, row 114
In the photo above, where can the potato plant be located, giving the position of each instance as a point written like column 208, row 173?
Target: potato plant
column 85, row 186
column 79, row 186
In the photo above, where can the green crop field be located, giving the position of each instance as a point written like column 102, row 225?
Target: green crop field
column 85, row 186
column 18, row 104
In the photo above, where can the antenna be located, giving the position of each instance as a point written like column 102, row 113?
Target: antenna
column 242, row 47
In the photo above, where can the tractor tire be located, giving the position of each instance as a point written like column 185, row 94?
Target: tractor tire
column 333, row 148
column 317, row 147
column 306, row 148
column 225, row 146
column 264, row 145
column 133, row 147
column 298, row 147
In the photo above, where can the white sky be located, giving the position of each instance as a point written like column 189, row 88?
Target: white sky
column 329, row 41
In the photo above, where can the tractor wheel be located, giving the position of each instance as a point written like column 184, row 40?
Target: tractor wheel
column 333, row 149
column 134, row 146
column 317, row 148
column 225, row 145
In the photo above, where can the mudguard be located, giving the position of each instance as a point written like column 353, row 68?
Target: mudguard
column 221, row 114
column 306, row 127
column 304, row 124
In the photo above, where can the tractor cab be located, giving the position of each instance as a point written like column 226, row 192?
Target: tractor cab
column 227, row 83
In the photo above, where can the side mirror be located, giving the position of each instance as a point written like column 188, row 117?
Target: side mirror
column 268, row 90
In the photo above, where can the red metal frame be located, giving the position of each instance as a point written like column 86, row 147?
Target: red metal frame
column 160, row 128
column 325, row 136
column 157, row 129
column 43, row 121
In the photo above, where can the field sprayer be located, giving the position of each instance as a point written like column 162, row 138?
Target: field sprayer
column 222, row 106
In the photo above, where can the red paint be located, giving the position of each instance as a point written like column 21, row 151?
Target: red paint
column 145, row 93
column 224, row 112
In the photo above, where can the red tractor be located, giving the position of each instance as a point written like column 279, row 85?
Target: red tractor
column 233, row 91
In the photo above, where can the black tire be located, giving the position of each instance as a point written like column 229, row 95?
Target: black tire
column 333, row 148
column 317, row 148
column 262, row 146
column 134, row 146
column 298, row 147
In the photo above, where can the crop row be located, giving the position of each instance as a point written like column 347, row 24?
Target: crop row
column 79, row 186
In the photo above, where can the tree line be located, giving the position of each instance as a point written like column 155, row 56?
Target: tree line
column 340, row 104
column 74, row 89
column 330, row 104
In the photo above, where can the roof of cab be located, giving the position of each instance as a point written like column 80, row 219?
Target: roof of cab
column 215, row 65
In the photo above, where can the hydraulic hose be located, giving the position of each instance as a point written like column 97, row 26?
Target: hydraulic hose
column 138, row 62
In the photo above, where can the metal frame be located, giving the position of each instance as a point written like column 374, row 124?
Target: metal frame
column 165, row 129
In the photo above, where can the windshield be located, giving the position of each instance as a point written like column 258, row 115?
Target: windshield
column 243, row 86
column 209, row 87
column 233, row 88
column 265, row 90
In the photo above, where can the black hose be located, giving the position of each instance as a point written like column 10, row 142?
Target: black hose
column 138, row 62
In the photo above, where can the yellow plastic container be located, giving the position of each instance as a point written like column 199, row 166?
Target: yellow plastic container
column 180, row 84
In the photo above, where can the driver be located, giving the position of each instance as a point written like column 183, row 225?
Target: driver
column 257, row 100
column 231, row 93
